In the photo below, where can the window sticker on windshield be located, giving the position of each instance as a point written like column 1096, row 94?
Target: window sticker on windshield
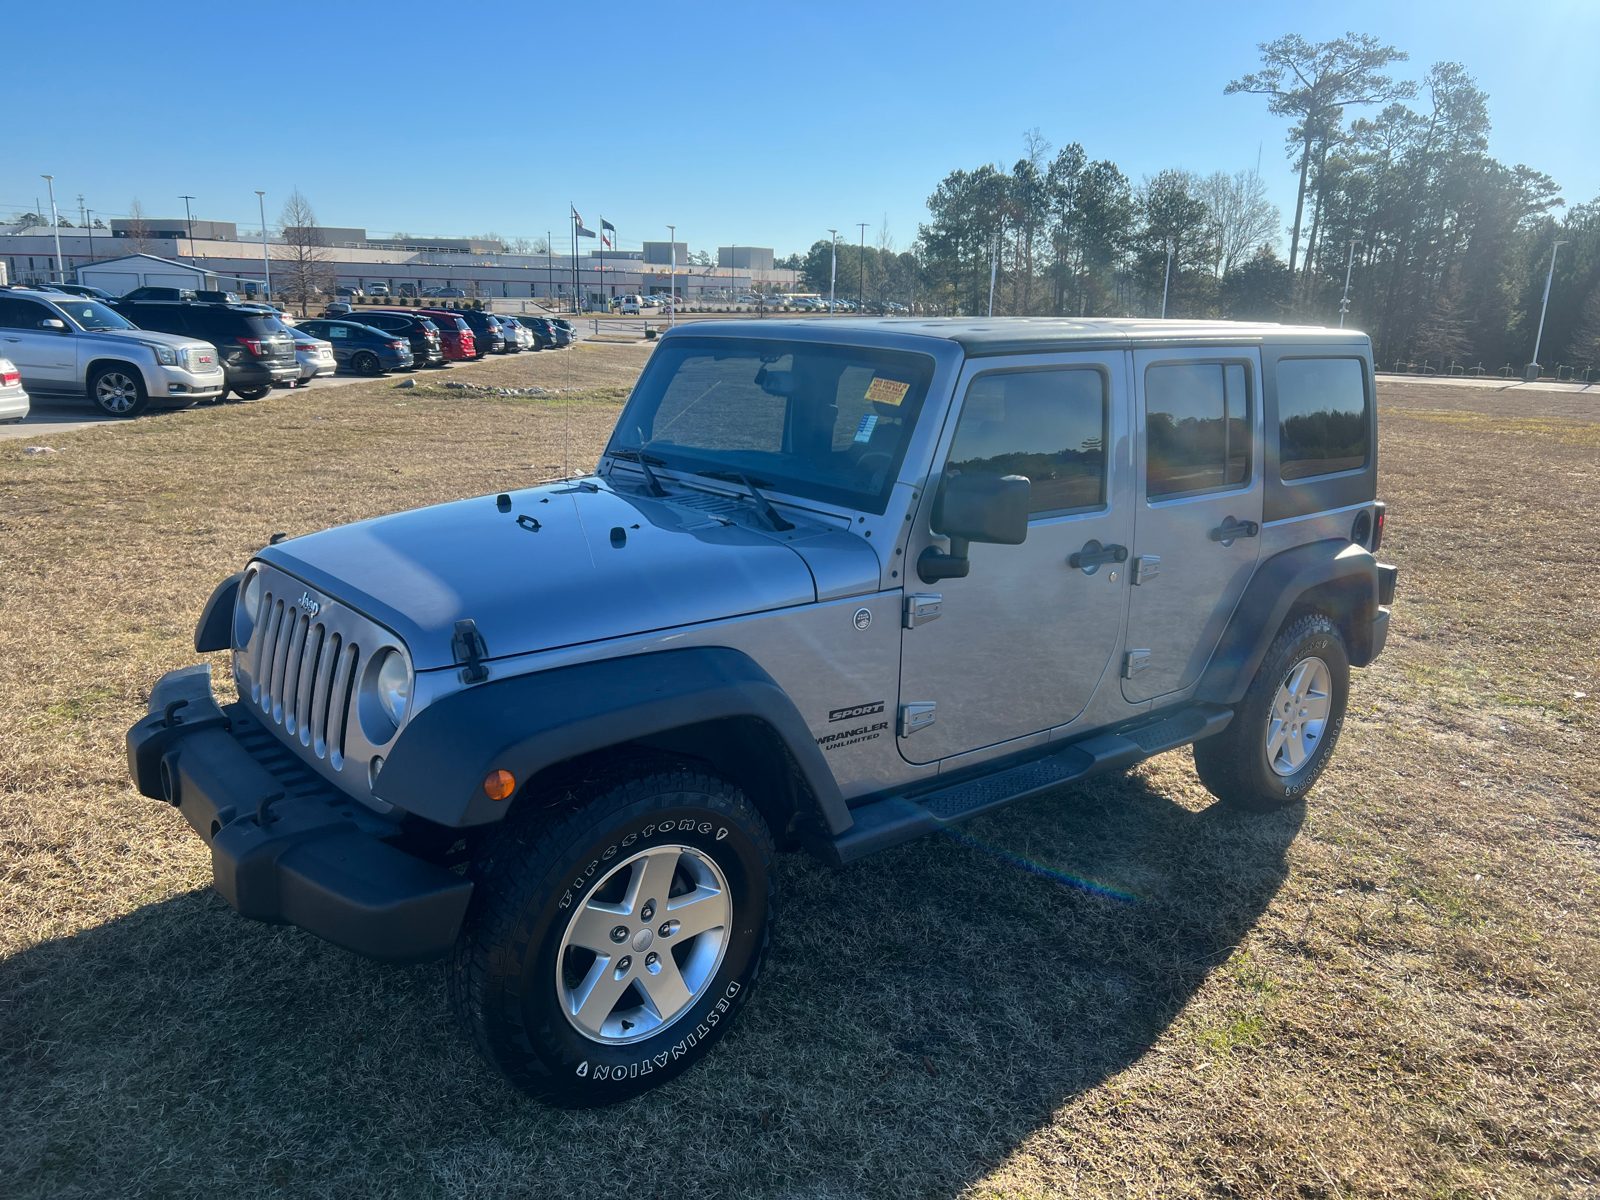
column 887, row 391
column 864, row 430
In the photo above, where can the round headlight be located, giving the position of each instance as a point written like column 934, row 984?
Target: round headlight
column 394, row 686
column 245, row 610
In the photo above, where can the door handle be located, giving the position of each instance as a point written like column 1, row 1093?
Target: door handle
column 1094, row 554
column 1231, row 529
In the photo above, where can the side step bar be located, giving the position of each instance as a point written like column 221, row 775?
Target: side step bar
column 895, row 819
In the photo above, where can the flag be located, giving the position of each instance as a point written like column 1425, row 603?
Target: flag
column 578, row 217
column 606, row 230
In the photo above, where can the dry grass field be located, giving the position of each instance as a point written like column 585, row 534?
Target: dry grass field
column 1116, row 990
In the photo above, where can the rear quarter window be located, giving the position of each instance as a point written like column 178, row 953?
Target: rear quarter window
column 1323, row 418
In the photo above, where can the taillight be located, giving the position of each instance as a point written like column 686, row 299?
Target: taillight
column 1380, row 511
column 255, row 345
column 7, row 378
column 397, row 345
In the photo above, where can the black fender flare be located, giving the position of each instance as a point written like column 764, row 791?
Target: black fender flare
column 214, row 630
column 1274, row 590
column 527, row 723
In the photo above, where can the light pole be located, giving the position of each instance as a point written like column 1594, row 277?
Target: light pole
column 1167, row 282
column 55, row 225
column 861, row 288
column 833, row 270
column 672, row 289
column 188, row 224
column 1532, row 372
column 994, row 267
column 266, row 262
column 1344, row 303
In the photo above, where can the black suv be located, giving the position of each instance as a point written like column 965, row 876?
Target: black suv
column 255, row 348
column 426, row 349
column 160, row 293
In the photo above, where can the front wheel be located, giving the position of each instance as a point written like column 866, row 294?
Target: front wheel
column 118, row 391
column 1284, row 730
column 366, row 363
column 611, row 944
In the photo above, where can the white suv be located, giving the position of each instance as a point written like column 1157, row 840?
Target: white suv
column 75, row 346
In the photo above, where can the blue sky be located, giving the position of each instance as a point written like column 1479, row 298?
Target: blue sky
column 760, row 124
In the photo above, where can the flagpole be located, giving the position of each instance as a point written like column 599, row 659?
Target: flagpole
column 603, row 265
column 572, row 219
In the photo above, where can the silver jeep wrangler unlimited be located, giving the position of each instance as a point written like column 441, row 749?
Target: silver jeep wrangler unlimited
column 833, row 586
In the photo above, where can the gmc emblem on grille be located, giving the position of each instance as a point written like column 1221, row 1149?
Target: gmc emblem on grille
column 309, row 606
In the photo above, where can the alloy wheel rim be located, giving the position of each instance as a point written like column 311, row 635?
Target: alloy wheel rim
column 1299, row 716
column 645, row 945
column 116, row 392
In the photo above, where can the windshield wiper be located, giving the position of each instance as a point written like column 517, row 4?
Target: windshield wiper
column 778, row 523
column 644, row 460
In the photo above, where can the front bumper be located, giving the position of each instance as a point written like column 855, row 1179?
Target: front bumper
column 313, row 857
column 175, row 383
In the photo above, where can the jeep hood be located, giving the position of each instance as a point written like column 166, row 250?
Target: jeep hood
column 564, row 565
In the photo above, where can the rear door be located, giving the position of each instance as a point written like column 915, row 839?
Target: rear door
column 47, row 359
column 1023, row 641
column 1198, row 515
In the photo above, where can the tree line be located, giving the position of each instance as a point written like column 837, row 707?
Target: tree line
column 1446, row 248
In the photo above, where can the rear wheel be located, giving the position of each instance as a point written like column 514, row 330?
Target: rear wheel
column 118, row 391
column 366, row 363
column 610, row 945
column 255, row 393
column 1284, row 730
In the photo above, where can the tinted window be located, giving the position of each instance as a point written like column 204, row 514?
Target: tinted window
column 163, row 318
column 1197, row 428
column 1322, row 416
column 1047, row 425
column 22, row 314
column 826, row 422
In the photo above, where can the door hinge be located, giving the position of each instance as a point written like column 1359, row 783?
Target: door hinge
column 914, row 717
column 1146, row 566
column 922, row 607
column 1133, row 662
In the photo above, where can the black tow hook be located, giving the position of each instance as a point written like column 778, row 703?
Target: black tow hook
column 265, row 806
column 169, row 715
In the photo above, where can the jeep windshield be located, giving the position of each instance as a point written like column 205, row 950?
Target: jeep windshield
column 825, row 423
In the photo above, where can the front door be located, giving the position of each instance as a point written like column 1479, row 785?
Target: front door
column 1196, row 531
column 1022, row 642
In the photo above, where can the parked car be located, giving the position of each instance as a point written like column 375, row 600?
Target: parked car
column 427, row 345
column 351, row 292
column 83, row 289
column 448, row 293
column 455, row 335
column 361, row 348
column 337, row 308
column 544, row 333
column 256, row 350
column 158, row 293
column 314, row 355
column 581, row 803
column 73, row 346
column 13, row 399
column 486, row 335
column 508, row 333
column 378, row 289
column 217, row 297
column 563, row 330
column 523, row 334
column 633, row 305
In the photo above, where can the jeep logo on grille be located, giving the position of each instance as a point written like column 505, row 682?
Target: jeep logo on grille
column 309, row 606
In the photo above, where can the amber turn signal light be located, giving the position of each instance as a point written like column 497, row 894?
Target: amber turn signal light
column 498, row 785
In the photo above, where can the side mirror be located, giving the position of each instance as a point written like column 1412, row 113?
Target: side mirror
column 975, row 508
column 55, row 323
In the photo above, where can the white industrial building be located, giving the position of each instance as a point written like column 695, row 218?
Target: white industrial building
column 479, row 269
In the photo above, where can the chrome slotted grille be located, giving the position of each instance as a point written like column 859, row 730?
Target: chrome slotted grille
column 301, row 669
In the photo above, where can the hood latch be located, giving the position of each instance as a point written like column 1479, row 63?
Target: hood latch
column 469, row 647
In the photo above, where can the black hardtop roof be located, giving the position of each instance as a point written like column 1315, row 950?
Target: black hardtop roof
column 1005, row 335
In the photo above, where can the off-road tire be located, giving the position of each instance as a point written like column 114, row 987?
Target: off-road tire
column 533, row 878
column 1234, row 764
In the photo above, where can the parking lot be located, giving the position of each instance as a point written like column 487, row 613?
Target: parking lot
column 1117, row 988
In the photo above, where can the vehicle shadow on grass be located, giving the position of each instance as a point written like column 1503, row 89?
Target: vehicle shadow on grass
column 924, row 1012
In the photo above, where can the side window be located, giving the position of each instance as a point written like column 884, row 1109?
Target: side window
column 1048, row 425
column 19, row 314
column 1196, row 428
column 1322, row 416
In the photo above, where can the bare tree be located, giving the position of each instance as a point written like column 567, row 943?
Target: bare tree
column 308, row 267
column 1244, row 218
column 1314, row 83
column 138, row 227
